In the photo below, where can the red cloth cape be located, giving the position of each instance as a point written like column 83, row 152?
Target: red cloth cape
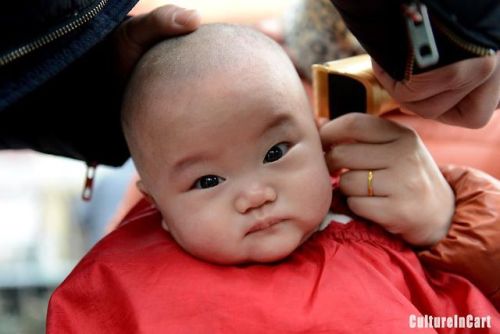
column 348, row 278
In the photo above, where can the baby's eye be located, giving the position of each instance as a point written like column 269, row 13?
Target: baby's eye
column 208, row 181
column 276, row 152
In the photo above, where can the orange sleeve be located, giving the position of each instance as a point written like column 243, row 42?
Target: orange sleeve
column 472, row 245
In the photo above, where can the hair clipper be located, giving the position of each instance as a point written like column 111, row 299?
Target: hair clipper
column 348, row 85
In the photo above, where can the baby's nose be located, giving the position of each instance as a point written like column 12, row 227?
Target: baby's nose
column 254, row 197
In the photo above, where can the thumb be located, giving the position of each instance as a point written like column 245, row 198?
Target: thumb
column 139, row 33
column 144, row 30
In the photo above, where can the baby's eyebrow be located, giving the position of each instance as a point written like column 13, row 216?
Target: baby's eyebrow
column 279, row 120
column 188, row 161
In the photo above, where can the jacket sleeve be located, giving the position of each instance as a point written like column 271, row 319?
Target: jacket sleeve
column 60, row 92
column 472, row 245
column 75, row 114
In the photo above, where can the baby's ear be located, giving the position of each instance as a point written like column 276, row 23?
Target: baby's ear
column 144, row 192
column 150, row 199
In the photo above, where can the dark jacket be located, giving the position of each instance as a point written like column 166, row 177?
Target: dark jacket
column 62, row 95
column 461, row 29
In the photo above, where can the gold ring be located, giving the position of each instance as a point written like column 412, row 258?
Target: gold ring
column 370, row 183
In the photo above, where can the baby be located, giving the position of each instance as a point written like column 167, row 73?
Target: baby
column 233, row 160
column 229, row 154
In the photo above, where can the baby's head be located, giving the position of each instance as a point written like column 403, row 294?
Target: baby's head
column 226, row 146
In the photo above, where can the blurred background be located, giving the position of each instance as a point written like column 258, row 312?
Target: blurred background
column 46, row 226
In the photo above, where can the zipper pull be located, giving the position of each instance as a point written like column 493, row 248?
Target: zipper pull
column 89, row 181
column 420, row 34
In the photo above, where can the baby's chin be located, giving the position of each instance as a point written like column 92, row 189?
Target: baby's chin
column 270, row 258
column 274, row 252
column 255, row 259
column 261, row 255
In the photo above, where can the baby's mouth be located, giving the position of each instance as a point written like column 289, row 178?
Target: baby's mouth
column 263, row 224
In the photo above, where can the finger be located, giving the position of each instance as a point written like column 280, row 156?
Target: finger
column 376, row 209
column 355, row 183
column 477, row 95
column 320, row 121
column 460, row 76
column 361, row 156
column 402, row 91
column 435, row 106
column 145, row 30
column 476, row 109
column 359, row 127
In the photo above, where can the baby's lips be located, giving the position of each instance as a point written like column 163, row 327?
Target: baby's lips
column 263, row 224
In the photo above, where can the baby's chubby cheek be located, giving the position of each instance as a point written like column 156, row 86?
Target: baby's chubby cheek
column 196, row 229
column 323, row 198
column 314, row 194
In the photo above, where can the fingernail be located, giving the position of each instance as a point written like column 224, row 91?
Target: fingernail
column 184, row 16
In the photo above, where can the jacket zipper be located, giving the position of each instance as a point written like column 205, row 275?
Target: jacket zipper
column 52, row 36
column 475, row 49
column 88, row 185
column 410, row 63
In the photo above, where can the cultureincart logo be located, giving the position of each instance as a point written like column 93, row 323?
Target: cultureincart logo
column 455, row 321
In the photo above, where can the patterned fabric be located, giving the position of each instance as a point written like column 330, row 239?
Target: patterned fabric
column 315, row 33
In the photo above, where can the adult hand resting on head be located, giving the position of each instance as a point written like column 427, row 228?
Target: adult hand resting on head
column 137, row 34
column 410, row 195
column 465, row 93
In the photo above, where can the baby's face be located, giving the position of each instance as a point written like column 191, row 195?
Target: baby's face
column 239, row 173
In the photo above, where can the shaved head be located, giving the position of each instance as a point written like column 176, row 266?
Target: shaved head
column 174, row 71
column 211, row 49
